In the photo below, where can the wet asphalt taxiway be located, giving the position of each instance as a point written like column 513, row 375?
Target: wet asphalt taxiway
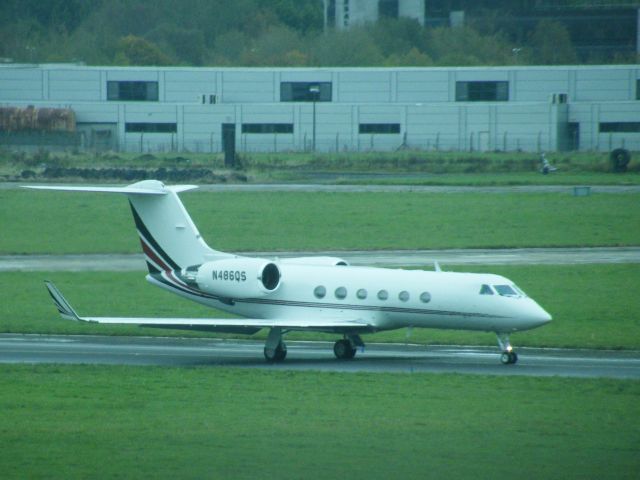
column 314, row 356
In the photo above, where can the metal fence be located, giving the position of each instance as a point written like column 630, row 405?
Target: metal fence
column 338, row 142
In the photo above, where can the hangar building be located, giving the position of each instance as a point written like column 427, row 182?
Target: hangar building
column 148, row 109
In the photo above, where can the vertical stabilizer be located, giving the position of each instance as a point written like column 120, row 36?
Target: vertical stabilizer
column 170, row 240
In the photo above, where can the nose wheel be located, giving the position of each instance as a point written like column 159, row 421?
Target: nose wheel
column 508, row 356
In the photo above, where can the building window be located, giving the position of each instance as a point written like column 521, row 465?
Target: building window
column 305, row 91
column 388, row 8
column 482, row 91
column 267, row 128
column 619, row 127
column 132, row 91
column 151, row 127
column 379, row 128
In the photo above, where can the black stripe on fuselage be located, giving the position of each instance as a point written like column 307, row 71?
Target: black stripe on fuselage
column 142, row 229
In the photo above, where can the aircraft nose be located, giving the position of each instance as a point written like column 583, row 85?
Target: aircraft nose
column 539, row 315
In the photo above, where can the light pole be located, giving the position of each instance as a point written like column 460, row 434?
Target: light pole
column 314, row 90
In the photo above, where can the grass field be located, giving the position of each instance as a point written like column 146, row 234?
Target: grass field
column 148, row 422
column 403, row 161
column 129, row 422
column 590, row 309
column 55, row 222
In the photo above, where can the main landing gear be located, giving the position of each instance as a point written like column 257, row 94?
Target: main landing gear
column 346, row 348
column 508, row 356
column 275, row 350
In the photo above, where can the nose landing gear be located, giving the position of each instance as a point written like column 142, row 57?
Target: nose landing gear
column 508, row 357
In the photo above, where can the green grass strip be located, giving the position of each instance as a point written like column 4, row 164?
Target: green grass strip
column 139, row 422
column 55, row 222
column 594, row 306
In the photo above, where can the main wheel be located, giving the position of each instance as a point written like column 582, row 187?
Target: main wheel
column 275, row 355
column 343, row 350
column 513, row 357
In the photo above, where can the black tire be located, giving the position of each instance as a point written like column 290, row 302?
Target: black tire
column 513, row 357
column 620, row 158
column 281, row 352
column 343, row 350
column 277, row 355
column 505, row 358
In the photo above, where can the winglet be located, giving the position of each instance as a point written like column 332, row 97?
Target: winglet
column 65, row 309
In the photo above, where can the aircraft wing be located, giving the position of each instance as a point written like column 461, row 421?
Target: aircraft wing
column 235, row 325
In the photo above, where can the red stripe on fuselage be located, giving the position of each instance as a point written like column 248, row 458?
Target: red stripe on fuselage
column 148, row 251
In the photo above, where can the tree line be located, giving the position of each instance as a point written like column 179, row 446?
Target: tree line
column 258, row 33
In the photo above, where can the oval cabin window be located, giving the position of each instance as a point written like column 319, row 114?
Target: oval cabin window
column 341, row 292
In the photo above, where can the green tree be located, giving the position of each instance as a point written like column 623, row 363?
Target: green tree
column 134, row 50
column 271, row 48
column 413, row 58
column 352, row 48
column 398, row 36
column 465, row 46
column 551, row 44
column 186, row 45
column 228, row 48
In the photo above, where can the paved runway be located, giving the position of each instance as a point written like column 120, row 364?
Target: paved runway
column 406, row 258
column 316, row 356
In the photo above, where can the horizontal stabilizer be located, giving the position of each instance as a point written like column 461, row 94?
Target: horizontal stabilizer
column 67, row 312
column 140, row 188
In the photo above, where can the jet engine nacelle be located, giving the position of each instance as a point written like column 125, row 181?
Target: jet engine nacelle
column 239, row 277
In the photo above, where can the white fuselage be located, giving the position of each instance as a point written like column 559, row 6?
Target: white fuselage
column 388, row 299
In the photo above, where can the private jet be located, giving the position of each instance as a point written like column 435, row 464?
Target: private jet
column 319, row 294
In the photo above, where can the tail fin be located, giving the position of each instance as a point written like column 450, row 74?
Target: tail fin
column 169, row 238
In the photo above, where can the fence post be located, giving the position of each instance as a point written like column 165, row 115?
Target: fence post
column 539, row 146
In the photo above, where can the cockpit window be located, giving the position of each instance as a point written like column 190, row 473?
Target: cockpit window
column 486, row 290
column 506, row 291
column 519, row 290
